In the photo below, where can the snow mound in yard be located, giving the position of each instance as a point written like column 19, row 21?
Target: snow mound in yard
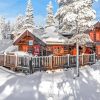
column 58, row 85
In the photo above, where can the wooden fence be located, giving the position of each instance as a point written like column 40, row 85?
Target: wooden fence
column 44, row 62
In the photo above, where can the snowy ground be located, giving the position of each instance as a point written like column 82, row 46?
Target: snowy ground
column 59, row 85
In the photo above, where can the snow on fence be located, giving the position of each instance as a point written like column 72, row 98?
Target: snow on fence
column 44, row 62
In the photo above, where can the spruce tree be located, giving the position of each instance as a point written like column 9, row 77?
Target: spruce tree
column 2, row 27
column 29, row 19
column 75, row 16
column 18, row 23
column 50, row 17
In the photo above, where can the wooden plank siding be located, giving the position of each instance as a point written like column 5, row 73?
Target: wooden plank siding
column 57, row 50
column 23, row 43
column 95, row 36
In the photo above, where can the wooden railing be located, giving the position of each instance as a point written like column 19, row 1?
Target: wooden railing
column 44, row 62
column 2, row 57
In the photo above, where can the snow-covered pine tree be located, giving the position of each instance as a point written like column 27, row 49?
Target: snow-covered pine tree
column 50, row 16
column 29, row 19
column 7, row 29
column 2, row 27
column 18, row 23
column 75, row 16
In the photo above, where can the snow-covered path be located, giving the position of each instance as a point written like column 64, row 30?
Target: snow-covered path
column 59, row 85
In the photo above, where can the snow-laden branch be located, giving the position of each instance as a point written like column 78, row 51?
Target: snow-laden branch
column 75, row 14
column 81, row 39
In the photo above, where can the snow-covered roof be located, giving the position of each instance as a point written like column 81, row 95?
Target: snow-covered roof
column 36, row 32
column 27, row 32
column 51, row 36
column 80, row 38
column 51, row 32
column 18, row 36
column 56, row 40
column 50, row 29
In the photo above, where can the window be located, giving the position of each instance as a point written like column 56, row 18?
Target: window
column 30, row 42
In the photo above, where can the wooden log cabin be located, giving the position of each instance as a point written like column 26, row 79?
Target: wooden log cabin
column 31, row 43
column 28, row 42
column 95, row 36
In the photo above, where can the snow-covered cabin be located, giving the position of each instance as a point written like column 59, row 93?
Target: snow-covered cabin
column 29, row 42
column 56, row 44
column 41, row 42
column 46, row 43
column 95, row 36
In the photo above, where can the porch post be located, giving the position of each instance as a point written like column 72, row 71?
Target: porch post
column 77, row 58
column 30, row 65
column 5, row 59
column 68, row 60
column 94, row 57
column 82, row 59
column 16, row 63
column 45, row 51
column 51, row 62
column 42, row 49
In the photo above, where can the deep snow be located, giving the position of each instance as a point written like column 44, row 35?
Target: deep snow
column 59, row 85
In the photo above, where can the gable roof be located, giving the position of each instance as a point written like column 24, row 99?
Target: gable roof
column 97, row 25
column 28, row 33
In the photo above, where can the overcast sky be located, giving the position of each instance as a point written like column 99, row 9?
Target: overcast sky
column 11, row 8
